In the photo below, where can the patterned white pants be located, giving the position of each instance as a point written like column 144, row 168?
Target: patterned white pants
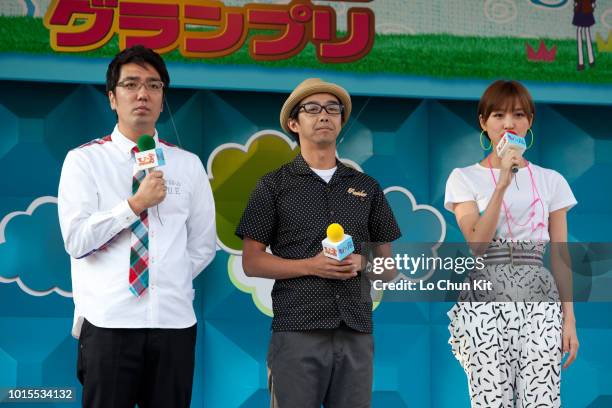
column 510, row 351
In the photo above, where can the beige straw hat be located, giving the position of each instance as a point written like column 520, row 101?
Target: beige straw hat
column 313, row 86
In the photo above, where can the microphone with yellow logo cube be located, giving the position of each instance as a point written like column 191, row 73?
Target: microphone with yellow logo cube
column 337, row 245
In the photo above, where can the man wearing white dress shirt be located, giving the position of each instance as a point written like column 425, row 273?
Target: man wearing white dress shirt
column 136, row 242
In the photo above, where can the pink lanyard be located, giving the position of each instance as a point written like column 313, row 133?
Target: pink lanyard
column 534, row 192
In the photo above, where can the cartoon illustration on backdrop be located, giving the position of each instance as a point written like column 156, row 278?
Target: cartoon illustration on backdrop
column 468, row 35
column 583, row 20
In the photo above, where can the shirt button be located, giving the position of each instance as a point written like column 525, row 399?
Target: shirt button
column 331, row 212
column 337, row 296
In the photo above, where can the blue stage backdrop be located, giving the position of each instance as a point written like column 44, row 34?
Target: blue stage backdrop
column 408, row 144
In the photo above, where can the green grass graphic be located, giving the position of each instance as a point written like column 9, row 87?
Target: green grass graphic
column 439, row 56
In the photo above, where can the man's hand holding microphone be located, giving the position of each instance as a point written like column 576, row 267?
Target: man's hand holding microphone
column 337, row 260
column 152, row 189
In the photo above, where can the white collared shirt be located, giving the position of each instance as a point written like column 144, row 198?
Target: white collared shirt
column 95, row 220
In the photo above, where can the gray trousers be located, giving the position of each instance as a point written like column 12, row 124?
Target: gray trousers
column 311, row 368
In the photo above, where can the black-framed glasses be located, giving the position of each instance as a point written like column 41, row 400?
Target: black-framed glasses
column 132, row 85
column 314, row 108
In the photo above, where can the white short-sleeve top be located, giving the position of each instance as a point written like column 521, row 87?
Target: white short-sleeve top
column 528, row 206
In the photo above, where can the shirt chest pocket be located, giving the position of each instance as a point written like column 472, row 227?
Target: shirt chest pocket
column 353, row 213
column 177, row 200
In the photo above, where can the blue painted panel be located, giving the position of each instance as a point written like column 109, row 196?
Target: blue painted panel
column 410, row 142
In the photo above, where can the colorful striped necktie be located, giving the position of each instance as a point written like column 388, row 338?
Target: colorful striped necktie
column 139, row 252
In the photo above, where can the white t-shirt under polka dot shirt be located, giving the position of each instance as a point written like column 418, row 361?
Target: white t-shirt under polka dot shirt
column 326, row 174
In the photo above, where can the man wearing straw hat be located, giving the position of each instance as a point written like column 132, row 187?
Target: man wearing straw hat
column 321, row 349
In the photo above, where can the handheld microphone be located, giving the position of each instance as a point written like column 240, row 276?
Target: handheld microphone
column 511, row 142
column 147, row 156
column 337, row 245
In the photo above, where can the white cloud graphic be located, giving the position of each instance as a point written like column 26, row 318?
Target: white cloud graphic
column 421, row 207
column 259, row 288
column 4, row 223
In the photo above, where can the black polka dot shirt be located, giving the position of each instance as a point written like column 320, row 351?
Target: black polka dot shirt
column 290, row 210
